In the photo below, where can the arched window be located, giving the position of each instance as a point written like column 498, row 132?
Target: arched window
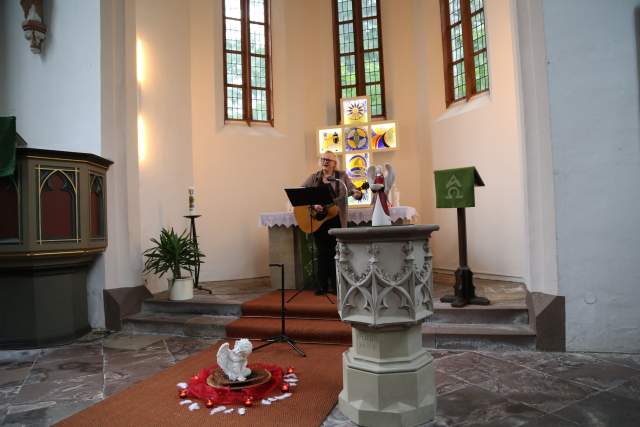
column 465, row 49
column 247, row 61
column 357, row 34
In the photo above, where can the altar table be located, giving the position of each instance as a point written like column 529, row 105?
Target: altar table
column 288, row 245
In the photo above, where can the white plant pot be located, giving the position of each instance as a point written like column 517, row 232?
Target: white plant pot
column 181, row 289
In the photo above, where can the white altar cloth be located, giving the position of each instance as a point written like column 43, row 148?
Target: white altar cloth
column 356, row 215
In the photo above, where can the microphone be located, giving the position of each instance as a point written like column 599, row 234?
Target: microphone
column 346, row 190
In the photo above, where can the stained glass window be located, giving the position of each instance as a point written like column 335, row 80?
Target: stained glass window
column 358, row 50
column 247, row 61
column 465, row 48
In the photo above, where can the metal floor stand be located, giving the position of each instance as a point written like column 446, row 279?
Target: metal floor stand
column 283, row 336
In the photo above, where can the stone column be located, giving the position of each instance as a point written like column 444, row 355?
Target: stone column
column 384, row 292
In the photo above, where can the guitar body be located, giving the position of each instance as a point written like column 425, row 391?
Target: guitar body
column 309, row 223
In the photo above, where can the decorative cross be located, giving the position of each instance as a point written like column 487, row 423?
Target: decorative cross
column 356, row 140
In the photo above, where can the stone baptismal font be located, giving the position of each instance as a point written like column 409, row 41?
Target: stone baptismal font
column 384, row 292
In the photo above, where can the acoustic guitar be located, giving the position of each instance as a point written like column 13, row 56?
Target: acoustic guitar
column 309, row 220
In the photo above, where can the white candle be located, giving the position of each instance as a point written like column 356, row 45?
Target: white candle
column 192, row 201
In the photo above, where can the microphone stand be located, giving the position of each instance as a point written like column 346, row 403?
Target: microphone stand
column 283, row 337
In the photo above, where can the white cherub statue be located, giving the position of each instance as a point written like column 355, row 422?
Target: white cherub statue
column 380, row 184
column 234, row 362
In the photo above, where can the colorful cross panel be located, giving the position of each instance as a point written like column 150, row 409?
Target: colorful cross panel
column 366, row 194
column 383, row 136
column 357, row 165
column 356, row 138
column 330, row 140
column 359, row 139
column 355, row 110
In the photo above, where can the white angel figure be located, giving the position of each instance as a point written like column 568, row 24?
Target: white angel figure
column 380, row 184
column 234, row 362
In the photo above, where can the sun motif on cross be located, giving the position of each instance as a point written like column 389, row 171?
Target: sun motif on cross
column 355, row 110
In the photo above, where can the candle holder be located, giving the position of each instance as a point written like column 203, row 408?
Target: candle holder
column 196, row 269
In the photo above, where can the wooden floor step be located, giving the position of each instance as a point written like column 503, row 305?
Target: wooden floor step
column 315, row 330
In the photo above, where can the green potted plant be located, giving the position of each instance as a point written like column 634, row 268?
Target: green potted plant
column 174, row 253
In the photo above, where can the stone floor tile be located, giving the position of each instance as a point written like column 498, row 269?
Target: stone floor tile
column 71, row 352
column 439, row 353
column 88, row 387
column 45, row 413
column 527, row 359
column 127, row 342
column 473, row 367
column 62, row 369
column 579, row 367
column 123, row 357
column 603, row 409
column 473, row 406
column 446, row 383
column 9, row 356
column 549, row 421
column 543, row 392
column 629, row 389
column 628, row 360
column 183, row 347
column 338, row 419
column 588, row 370
column 14, row 373
column 7, row 394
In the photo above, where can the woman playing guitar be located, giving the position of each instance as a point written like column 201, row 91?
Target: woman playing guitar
column 330, row 177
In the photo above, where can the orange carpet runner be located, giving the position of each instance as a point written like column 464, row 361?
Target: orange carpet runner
column 309, row 318
column 154, row 402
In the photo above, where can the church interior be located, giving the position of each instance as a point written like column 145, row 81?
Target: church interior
column 506, row 137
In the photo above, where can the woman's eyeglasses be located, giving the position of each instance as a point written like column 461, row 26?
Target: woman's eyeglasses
column 326, row 159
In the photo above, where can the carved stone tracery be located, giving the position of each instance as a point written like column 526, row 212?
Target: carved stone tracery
column 376, row 293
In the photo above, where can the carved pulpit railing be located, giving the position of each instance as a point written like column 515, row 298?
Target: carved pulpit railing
column 53, row 223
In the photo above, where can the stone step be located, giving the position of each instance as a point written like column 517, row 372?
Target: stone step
column 504, row 314
column 160, row 305
column 198, row 325
column 486, row 337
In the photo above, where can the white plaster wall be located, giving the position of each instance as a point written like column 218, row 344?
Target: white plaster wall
column 593, row 71
column 166, row 171
column 485, row 133
column 404, row 80
column 123, row 263
column 241, row 171
column 55, row 95
column 542, row 271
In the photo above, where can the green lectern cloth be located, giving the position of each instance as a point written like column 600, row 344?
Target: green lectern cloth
column 7, row 145
column 455, row 187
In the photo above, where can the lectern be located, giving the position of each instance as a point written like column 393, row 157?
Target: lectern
column 455, row 188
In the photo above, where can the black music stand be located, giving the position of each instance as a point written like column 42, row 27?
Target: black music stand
column 307, row 196
column 283, row 336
